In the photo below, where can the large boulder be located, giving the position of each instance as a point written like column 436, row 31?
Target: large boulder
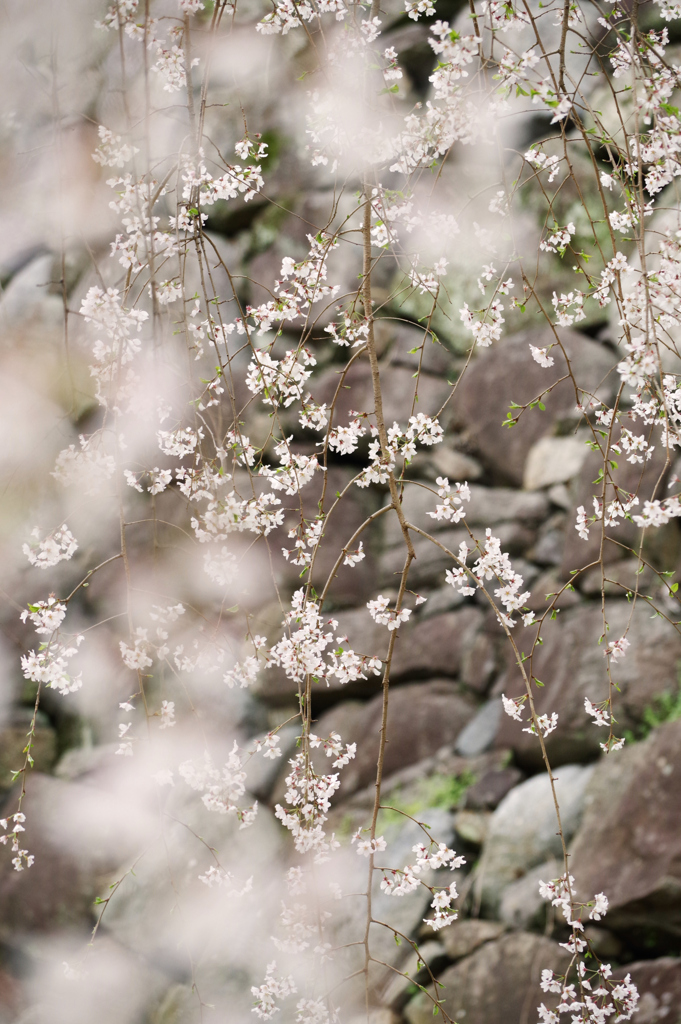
column 629, row 844
column 507, row 373
column 523, row 831
column 571, row 664
column 659, row 987
column 498, row 984
column 422, row 718
column 399, row 339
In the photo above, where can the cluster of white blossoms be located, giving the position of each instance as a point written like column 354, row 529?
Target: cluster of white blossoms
column 301, row 286
column 49, row 665
column 60, row 545
column 451, row 509
column 492, row 564
column 593, row 997
column 304, row 651
column 222, row 788
column 22, row 858
column 487, row 327
column 272, row 988
column 308, row 796
column 431, row 857
column 46, row 616
column 381, row 612
column 112, row 151
column 539, row 724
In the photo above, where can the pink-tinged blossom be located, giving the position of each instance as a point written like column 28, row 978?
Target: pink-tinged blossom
column 367, row 847
column 559, row 239
column 58, row 546
column 415, row 8
column 600, row 907
column 546, row 724
column 167, row 714
column 617, row 649
column 600, row 712
column 269, row 745
column 351, row 558
column 46, row 616
column 513, row 707
column 385, row 616
column 136, row 657
column 581, row 524
column 450, row 510
column 540, row 356
column 272, row 989
column 112, row 151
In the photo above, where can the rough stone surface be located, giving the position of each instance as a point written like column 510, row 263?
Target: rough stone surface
column 491, row 788
column 509, row 373
column 522, row 831
column 489, row 506
column 481, row 731
column 472, row 827
column 479, row 663
column 659, row 986
column 629, row 843
column 550, row 541
column 464, row 936
column 399, row 338
column 521, row 905
column 554, row 460
column 571, row 665
column 398, row 387
column 422, row 717
column 579, row 552
column 444, row 460
column 621, row 578
column 10, row 997
column 550, row 583
column 498, row 984
column 431, row 562
column 432, row 954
